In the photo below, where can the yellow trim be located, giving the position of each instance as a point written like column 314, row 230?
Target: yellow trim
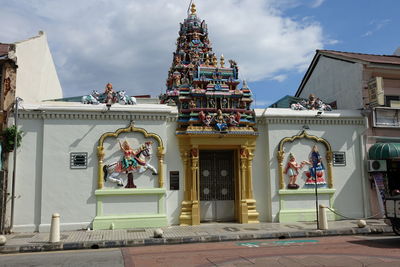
column 130, row 129
column 190, row 145
column 304, row 134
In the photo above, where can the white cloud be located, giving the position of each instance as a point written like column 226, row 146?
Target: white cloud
column 279, row 78
column 376, row 26
column 317, row 3
column 130, row 43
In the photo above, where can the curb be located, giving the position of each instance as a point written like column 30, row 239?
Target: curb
column 189, row 239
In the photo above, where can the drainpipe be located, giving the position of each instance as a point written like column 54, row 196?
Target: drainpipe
column 17, row 100
column 363, row 152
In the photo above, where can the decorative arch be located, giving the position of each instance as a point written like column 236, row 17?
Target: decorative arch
column 304, row 135
column 130, row 129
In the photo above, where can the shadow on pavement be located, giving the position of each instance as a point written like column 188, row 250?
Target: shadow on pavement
column 391, row 241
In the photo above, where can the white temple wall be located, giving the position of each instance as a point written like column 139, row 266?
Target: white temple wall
column 173, row 162
column 349, row 181
column 46, row 184
column 261, row 180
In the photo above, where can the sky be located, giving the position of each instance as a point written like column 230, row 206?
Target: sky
column 130, row 42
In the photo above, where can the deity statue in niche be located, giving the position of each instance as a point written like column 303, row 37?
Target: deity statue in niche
column 176, row 79
column 292, row 170
column 315, row 174
column 220, row 122
column 185, row 80
column 133, row 160
column 196, row 40
column 206, row 119
column 234, row 119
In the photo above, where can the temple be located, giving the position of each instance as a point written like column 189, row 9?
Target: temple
column 199, row 153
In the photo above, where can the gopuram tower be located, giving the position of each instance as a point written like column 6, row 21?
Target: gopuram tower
column 215, row 125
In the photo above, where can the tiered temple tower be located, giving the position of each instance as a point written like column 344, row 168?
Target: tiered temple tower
column 206, row 91
column 215, row 121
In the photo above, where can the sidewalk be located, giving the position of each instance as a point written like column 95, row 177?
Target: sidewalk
column 82, row 239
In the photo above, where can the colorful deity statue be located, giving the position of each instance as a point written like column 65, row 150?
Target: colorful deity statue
column 220, row 122
column 313, row 103
column 109, row 93
column 292, row 170
column 315, row 174
column 133, row 160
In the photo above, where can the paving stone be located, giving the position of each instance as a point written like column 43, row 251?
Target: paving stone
column 28, row 242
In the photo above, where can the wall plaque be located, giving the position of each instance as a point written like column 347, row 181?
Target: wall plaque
column 173, row 180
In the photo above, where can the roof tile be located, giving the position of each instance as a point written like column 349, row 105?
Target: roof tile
column 385, row 59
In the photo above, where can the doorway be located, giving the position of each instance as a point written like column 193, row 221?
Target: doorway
column 217, row 186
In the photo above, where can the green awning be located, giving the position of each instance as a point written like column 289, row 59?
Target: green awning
column 384, row 151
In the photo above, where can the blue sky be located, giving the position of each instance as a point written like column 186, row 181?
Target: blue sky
column 361, row 26
column 130, row 42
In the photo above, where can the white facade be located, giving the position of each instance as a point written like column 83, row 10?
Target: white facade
column 46, row 184
column 342, row 129
column 37, row 78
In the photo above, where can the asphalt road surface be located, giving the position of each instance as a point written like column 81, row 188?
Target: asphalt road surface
column 380, row 250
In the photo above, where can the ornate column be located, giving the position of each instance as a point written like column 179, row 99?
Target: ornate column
column 251, row 202
column 186, row 209
column 281, row 156
column 100, row 179
column 160, row 154
column 243, row 216
column 329, row 156
column 195, row 186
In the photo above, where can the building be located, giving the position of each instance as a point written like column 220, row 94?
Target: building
column 27, row 71
column 370, row 83
column 201, row 155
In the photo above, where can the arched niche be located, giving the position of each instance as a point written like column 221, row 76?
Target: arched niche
column 130, row 129
column 304, row 135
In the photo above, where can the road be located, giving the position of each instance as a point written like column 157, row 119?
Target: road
column 326, row 251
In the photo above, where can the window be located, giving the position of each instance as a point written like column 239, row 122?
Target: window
column 78, row 160
column 386, row 117
column 339, row 158
column 392, row 101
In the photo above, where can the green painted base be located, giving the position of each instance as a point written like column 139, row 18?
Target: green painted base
column 129, row 221
column 308, row 215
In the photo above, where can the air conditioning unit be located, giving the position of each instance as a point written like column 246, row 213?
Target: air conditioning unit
column 377, row 166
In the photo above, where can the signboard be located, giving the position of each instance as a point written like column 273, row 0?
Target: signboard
column 173, row 180
column 339, row 158
column 375, row 92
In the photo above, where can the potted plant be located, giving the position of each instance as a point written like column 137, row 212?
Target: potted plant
column 8, row 136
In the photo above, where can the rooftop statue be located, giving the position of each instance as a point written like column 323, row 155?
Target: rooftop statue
column 109, row 97
column 313, row 103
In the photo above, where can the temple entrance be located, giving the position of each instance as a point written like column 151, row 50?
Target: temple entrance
column 217, row 186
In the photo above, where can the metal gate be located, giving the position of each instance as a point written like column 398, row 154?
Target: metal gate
column 217, row 186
